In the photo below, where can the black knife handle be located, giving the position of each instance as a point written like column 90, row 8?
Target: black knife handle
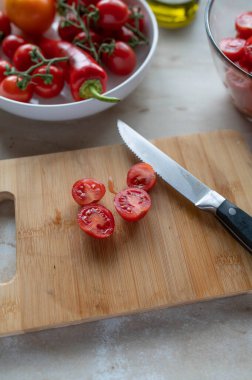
column 238, row 222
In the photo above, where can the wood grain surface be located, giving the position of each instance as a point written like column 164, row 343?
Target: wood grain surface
column 177, row 254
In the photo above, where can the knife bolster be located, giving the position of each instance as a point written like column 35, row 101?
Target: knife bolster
column 210, row 202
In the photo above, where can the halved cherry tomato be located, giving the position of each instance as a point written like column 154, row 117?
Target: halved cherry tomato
column 11, row 43
column 22, row 57
column 122, row 60
column 5, row 26
column 248, row 51
column 10, row 90
column 243, row 24
column 132, row 204
column 141, row 176
column 233, row 48
column 112, row 14
column 48, row 89
column 88, row 190
column 3, row 65
column 96, row 220
column 244, row 65
column 31, row 16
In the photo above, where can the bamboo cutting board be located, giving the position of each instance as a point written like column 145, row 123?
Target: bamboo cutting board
column 177, row 254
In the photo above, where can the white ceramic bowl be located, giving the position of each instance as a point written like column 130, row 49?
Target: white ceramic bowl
column 64, row 108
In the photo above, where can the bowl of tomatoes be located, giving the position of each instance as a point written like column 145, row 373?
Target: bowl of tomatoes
column 69, row 59
column 229, row 30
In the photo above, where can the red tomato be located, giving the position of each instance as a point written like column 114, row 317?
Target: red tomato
column 141, row 176
column 248, row 51
column 82, row 38
column 31, row 16
column 244, row 65
column 96, row 220
column 122, row 61
column 88, row 190
column 3, row 65
column 11, row 43
column 22, row 57
column 10, row 90
column 48, row 90
column 243, row 24
column 233, row 48
column 125, row 35
column 112, row 14
column 132, row 204
column 67, row 33
column 5, row 27
column 136, row 19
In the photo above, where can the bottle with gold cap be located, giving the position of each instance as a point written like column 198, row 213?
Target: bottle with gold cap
column 174, row 13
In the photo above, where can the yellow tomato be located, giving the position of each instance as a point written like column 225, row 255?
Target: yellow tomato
column 31, row 16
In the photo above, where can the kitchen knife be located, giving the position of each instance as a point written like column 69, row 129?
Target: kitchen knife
column 238, row 222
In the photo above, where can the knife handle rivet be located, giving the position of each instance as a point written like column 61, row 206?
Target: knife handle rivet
column 232, row 211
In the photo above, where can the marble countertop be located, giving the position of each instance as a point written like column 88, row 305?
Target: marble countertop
column 181, row 94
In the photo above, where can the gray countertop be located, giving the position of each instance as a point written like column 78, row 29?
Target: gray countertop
column 181, row 94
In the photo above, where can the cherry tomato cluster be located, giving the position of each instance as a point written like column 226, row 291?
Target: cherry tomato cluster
column 94, row 36
column 131, row 203
column 239, row 48
column 108, row 29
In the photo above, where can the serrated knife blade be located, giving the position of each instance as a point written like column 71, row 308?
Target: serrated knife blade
column 235, row 220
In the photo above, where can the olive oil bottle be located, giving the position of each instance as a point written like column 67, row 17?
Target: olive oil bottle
column 174, row 13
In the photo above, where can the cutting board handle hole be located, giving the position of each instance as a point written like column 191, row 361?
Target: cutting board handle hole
column 7, row 237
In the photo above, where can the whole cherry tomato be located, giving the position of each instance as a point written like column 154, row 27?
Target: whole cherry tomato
column 48, row 89
column 22, row 58
column 136, row 19
column 112, row 14
column 68, row 32
column 82, row 38
column 132, row 204
column 124, row 34
column 122, row 60
column 88, row 190
column 243, row 24
column 233, row 48
column 31, row 16
column 141, row 176
column 5, row 26
column 3, row 65
column 96, row 220
column 11, row 43
column 9, row 89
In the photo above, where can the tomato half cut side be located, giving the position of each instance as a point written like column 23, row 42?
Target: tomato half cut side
column 142, row 176
column 88, row 190
column 132, row 204
column 233, row 48
column 96, row 220
column 243, row 24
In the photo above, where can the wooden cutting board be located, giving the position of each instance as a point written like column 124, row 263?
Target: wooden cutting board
column 177, row 254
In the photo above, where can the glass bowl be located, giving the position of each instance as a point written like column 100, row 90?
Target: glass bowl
column 220, row 23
